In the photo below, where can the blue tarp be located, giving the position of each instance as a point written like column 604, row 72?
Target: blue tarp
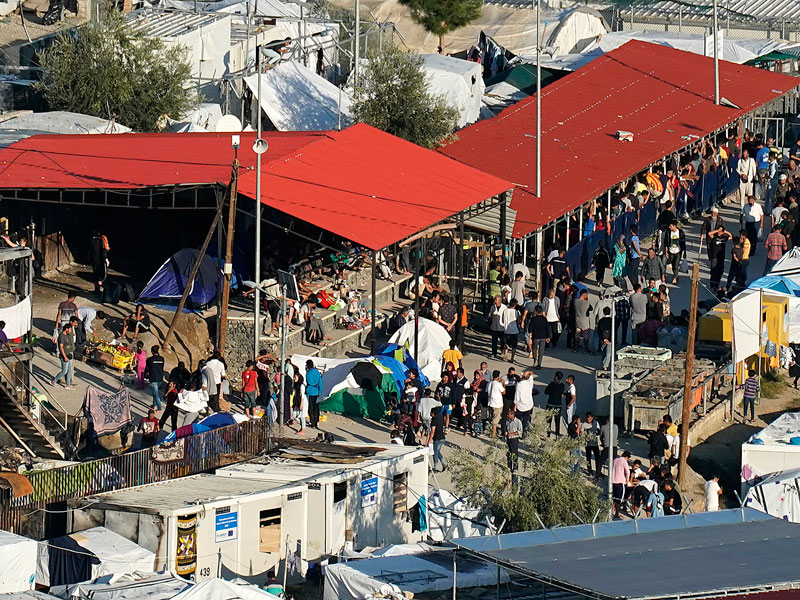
column 776, row 284
column 409, row 363
column 170, row 280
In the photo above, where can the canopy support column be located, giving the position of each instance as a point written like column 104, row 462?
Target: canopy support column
column 460, row 289
column 372, row 322
column 503, row 216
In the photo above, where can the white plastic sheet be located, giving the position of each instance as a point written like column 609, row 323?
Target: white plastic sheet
column 778, row 495
column 746, row 323
column 17, row 563
column 459, row 82
column 17, row 318
column 433, row 341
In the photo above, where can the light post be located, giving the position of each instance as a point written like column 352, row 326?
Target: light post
column 716, row 55
column 538, row 103
column 259, row 147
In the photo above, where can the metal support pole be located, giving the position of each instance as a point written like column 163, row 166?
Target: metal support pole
column 503, row 212
column 687, row 382
column 612, row 442
column 282, row 371
column 420, row 258
column 228, row 268
column 374, row 315
column 455, row 566
column 716, row 57
column 257, row 261
column 356, row 41
column 460, row 290
column 538, row 103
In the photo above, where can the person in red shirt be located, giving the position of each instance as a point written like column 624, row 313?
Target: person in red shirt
column 149, row 428
column 776, row 246
column 249, row 388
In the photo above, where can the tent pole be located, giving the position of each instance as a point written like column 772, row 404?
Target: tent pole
column 193, row 273
column 420, row 258
column 372, row 321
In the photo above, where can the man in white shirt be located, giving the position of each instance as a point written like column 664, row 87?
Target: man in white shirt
column 746, row 169
column 523, row 399
column 495, row 390
column 570, row 399
column 214, row 373
column 713, row 492
column 753, row 218
column 495, row 325
column 87, row 316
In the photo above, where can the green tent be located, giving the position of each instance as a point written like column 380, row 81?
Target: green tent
column 523, row 77
column 370, row 404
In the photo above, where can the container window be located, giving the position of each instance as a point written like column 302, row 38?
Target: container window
column 269, row 524
column 400, row 492
column 339, row 491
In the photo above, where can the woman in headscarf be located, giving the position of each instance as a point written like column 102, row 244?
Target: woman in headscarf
column 299, row 401
column 620, row 261
column 476, row 388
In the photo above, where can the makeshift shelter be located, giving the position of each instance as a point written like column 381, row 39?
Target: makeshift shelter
column 777, row 495
column 451, row 517
column 459, row 82
column 62, row 122
column 433, row 341
column 17, row 563
column 130, row 586
column 89, row 554
column 414, row 573
column 775, row 448
column 167, row 284
column 341, row 385
column 295, row 98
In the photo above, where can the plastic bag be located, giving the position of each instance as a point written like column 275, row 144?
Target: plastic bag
column 760, row 233
column 684, row 266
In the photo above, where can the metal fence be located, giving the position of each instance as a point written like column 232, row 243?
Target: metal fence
column 188, row 456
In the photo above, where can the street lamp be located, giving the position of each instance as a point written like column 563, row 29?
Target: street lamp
column 260, row 290
column 260, row 146
column 612, row 442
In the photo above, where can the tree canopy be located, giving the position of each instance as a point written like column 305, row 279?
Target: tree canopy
column 392, row 95
column 551, row 490
column 106, row 70
column 440, row 17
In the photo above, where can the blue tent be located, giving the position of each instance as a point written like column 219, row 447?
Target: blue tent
column 776, row 284
column 395, row 351
column 168, row 283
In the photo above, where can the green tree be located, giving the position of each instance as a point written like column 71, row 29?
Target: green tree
column 440, row 17
column 550, row 488
column 107, row 70
column 392, row 94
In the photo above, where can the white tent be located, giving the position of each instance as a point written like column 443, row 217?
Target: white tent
column 415, row 573
column 130, row 586
column 220, row 589
column 114, row 554
column 433, row 341
column 777, row 495
column 771, row 450
column 17, row 562
column 788, row 266
column 459, row 82
column 59, row 121
column 295, row 98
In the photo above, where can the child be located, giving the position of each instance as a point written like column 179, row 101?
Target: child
column 149, row 428
column 249, row 388
column 140, row 358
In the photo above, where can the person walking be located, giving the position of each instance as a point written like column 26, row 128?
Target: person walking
column 540, row 332
column 638, row 307
column 675, row 248
column 753, row 218
column 154, row 371
column 740, row 259
column 249, row 388
column 514, row 429
column 620, row 473
column 140, row 360
column 437, row 436
column 313, row 390
column 653, row 267
column 712, row 493
column 776, row 247
column 583, row 311
column 495, row 391
column 747, row 175
column 555, row 395
column 570, row 399
column 98, row 257
column 620, row 262
column 509, row 319
column 523, row 399
column 496, row 328
column 713, row 229
column 751, row 387
column 635, row 256
column 66, row 349
column 601, row 260
column 551, row 307
column 591, row 435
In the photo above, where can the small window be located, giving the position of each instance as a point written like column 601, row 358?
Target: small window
column 269, row 524
column 400, row 492
column 339, row 491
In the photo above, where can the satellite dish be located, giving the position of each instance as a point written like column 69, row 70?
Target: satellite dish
column 228, row 123
column 260, row 146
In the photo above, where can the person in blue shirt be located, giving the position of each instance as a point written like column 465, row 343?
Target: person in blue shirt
column 635, row 257
column 762, row 157
column 313, row 390
column 655, row 504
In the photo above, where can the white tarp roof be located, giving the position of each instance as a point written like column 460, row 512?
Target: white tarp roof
column 779, row 432
column 459, row 81
column 219, row 589
column 59, row 121
column 777, row 495
column 433, row 341
column 409, row 573
column 116, row 554
column 295, row 98
column 788, row 266
column 451, row 517
column 131, row 586
column 263, row 8
column 17, row 562
column 734, row 50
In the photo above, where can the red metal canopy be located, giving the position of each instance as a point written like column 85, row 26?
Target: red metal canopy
column 664, row 96
column 361, row 183
column 133, row 160
column 370, row 187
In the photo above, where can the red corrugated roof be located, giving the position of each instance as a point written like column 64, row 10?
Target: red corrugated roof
column 370, row 187
column 361, row 183
column 134, row 160
column 658, row 93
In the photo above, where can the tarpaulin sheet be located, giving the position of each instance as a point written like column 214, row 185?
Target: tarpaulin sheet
column 17, row 563
column 746, row 324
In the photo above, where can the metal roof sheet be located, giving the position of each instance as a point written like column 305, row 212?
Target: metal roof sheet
column 738, row 10
column 662, row 95
column 724, row 558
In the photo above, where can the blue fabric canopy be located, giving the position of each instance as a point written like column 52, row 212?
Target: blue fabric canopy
column 776, row 284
